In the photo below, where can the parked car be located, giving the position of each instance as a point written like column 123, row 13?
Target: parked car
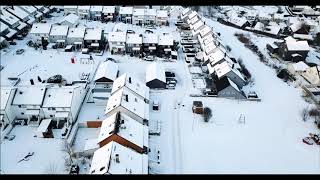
column 12, row 43
column 43, row 21
column 19, row 37
column 170, row 74
column 20, row 51
column 148, row 58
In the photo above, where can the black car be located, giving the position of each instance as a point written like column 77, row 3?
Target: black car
column 170, row 74
column 12, row 43
column 19, row 37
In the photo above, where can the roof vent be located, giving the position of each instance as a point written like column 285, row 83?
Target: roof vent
column 20, row 92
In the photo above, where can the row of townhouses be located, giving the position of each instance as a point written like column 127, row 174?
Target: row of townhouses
column 15, row 21
column 30, row 105
column 123, row 138
column 224, row 69
column 132, row 15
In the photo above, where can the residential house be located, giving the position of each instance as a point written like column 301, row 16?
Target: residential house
column 58, row 35
column 27, row 104
column 238, row 22
column 71, row 9
column 150, row 16
column 227, row 88
column 62, row 104
column 264, row 17
column 39, row 31
column 15, row 25
column 292, row 50
column 75, row 37
column 32, row 11
column 134, row 44
column 124, row 130
column 114, row 158
column 162, row 18
column 196, row 28
column 312, row 75
column 132, row 84
column 96, row 12
column 43, row 9
column 129, row 103
column 70, row 20
column 117, row 41
column 138, row 17
column 107, row 72
column 278, row 18
column 185, row 14
column 226, row 69
column 93, row 39
column 108, row 13
column 7, row 32
column 165, row 45
column 298, row 68
column 125, row 14
column 21, row 14
column 251, row 15
column 7, row 115
column 155, row 76
column 84, row 12
column 150, row 43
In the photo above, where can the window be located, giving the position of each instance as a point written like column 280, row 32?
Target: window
column 22, row 113
column 51, row 115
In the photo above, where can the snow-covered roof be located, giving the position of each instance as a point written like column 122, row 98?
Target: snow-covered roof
column 237, row 20
column 303, row 36
column 134, row 39
column 205, row 30
column 216, row 56
column 264, row 15
column 18, row 12
column 86, row 8
column 223, row 68
column 165, row 40
column 3, row 27
column 138, row 12
column 9, row 18
column 192, row 14
column 296, row 26
column 209, row 48
column 59, row 30
column 29, row 95
column 76, row 32
column 150, row 38
column 71, row 18
column 63, row 96
column 40, row 28
column 150, row 12
column 29, row 9
column 273, row 29
column 297, row 45
column 96, row 8
column 278, row 16
column 105, row 161
column 71, row 7
column 108, row 9
column 126, row 10
column 130, row 101
column 117, row 36
column 131, row 83
column 44, row 125
column 300, row 66
column 5, row 96
column 93, row 34
column 107, row 70
column 185, row 11
column 197, row 25
column 128, row 129
column 162, row 14
column 155, row 71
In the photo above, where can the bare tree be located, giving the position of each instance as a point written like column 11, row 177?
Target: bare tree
column 314, row 112
column 66, row 147
column 52, row 168
column 304, row 114
column 207, row 113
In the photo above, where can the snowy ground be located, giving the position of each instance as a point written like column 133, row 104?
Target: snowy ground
column 47, row 153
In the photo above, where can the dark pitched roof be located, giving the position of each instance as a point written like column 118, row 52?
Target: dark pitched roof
column 222, row 83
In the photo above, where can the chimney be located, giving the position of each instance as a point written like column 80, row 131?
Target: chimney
column 39, row 79
column 117, row 158
column 31, row 81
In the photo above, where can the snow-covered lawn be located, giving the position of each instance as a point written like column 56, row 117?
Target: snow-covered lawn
column 270, row 141
column 47, row 153
column 84, row 134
